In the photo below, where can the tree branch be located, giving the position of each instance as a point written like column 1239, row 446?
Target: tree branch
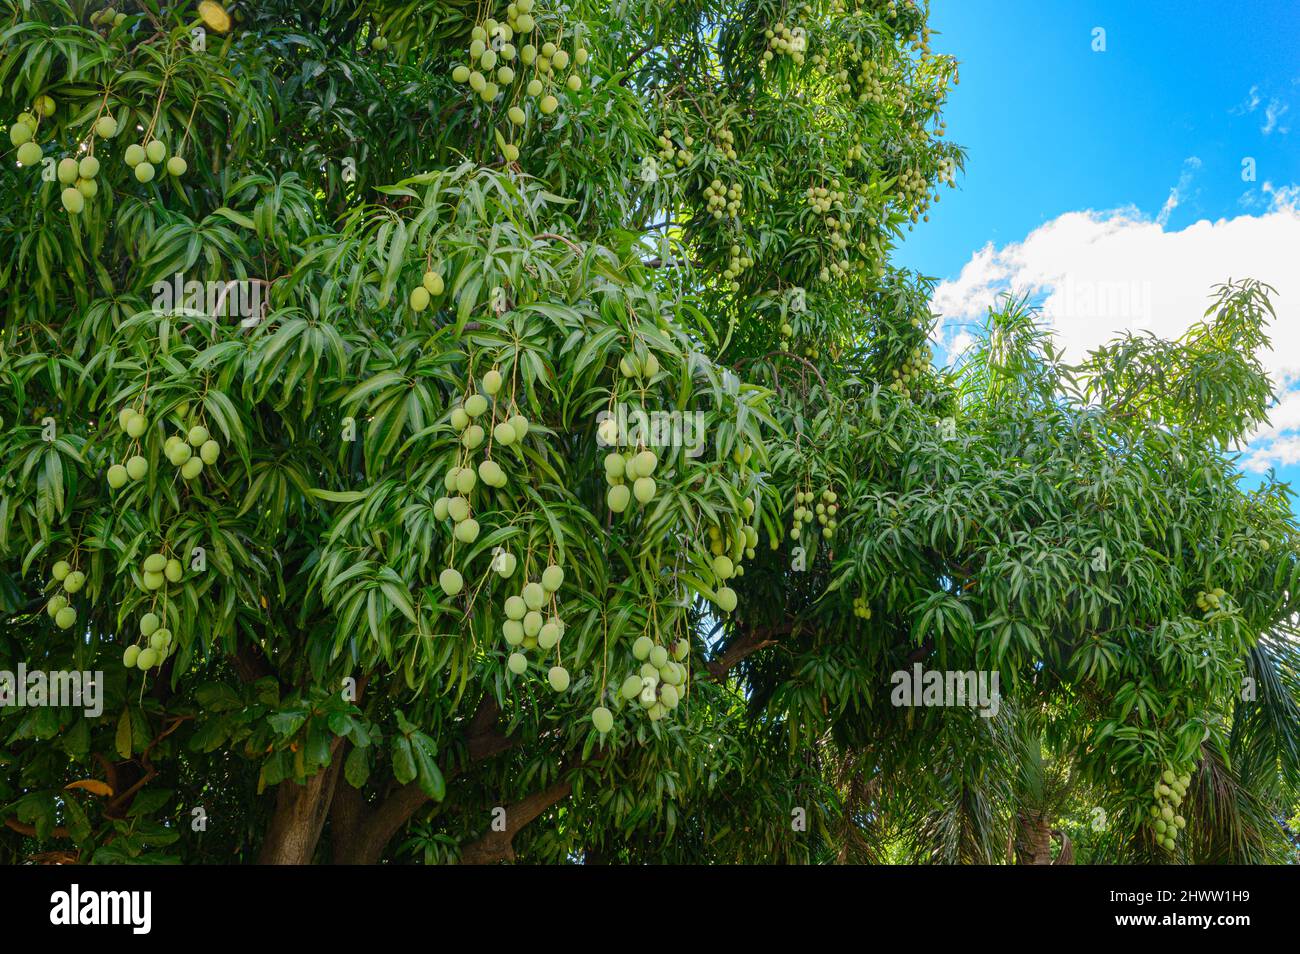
column 496, row 845
column 749, row 643
column 361, row 836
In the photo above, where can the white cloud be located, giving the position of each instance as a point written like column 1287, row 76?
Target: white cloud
column 1179, row 192
column 1250, row 104
column 1274, row 111
column 1097, row 274
column 1269, row 197
column 1277, row 443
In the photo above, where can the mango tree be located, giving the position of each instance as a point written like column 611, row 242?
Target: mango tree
column 474, row 432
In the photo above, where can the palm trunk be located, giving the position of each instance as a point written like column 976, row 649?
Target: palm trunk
column 1033, row 840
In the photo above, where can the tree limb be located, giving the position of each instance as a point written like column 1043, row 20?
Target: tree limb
column 496, row 845
column 749, row 643
column 360, row 836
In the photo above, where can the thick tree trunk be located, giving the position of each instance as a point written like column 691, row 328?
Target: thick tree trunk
column 360, row 837
column 300, row 812
column 360, row 834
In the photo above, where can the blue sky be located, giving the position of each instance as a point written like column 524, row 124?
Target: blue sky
column 1124, row 166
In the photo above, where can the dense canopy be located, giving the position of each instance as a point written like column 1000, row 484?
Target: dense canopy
column 481, row 431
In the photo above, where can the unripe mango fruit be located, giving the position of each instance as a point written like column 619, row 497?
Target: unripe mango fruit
column 552, row 578
column 451, row 581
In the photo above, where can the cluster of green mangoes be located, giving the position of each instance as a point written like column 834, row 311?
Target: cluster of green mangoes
column 1209, row 601
column 823, row 202
column 58, row 608
column 430, row 287
column 463, row 478
column 158, row 569
column 822, row 199
column 661, row 680
column 809, row 508
column 737, row 262
column 728, row 547
column 842, row 84
column 464, row 417
column 724, row 200
column 913, row 191
column 525, row 628
column 192, row 451
column 670, row 152
column 836, row 227
column 155, row 651
column 903, row 17
column 465, row 528
column 785, row 41
column 644, row 366
column 839, row 268
column 810, row 350
column 860, row 608
column 506, row 430
column 492, row 54
column 107, row 18
column 917, row 363
column 727, row 143
column 1169, row 793
column 23, row 132
column 867, row 80
column 634, row 466
column 724, row 568
column 871, row 88
column 78, row 178
column 144, row 158
column 134, row 425
column 787, row 332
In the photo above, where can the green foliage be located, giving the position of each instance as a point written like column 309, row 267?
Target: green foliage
column 701, row 230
